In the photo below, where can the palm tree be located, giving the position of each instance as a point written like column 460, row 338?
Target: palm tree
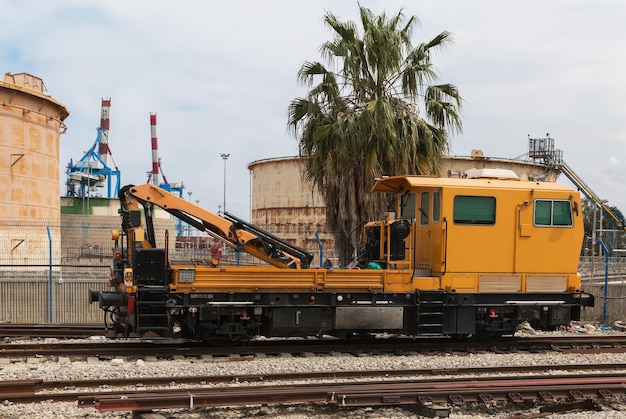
column 375, row 113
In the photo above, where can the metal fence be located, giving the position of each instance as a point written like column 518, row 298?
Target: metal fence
column 607, row 282
column 43, row 298
column 47, row 270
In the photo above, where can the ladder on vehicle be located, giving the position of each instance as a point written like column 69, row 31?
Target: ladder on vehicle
column 150, row 270
column 152, row 313
column 430, row 312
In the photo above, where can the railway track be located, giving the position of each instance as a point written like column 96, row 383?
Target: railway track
column 431, row 391
column 396, row 387
column 169, row 348
column 431, row 397
column 51, row 330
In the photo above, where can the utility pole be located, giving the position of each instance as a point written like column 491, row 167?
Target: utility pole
column 225, row 156
column 188, row 225
column 197, row 232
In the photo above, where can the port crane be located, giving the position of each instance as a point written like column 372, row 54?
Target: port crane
column 92, row 170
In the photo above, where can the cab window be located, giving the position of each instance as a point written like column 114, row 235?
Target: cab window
column 474, row 210
column 407, row 207
column 424, row 207
column 436, row 205
column 550, row 212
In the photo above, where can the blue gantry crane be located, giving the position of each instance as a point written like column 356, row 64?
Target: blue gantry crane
column 92, row 172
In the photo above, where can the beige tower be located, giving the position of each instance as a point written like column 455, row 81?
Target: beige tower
column 30, row 126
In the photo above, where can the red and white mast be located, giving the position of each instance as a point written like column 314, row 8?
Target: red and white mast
column 104, row 130
column 155, row 150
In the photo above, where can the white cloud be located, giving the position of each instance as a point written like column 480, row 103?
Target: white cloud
column 220, row 76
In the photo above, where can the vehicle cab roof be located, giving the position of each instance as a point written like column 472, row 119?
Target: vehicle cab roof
column 400, row 184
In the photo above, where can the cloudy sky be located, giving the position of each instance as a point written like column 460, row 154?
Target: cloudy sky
column 220, row 76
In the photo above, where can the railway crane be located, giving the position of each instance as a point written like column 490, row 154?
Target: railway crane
column 473, row 256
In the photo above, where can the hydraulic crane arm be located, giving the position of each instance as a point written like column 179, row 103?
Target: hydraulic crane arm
column 230, row 229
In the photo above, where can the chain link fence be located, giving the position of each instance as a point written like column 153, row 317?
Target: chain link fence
column 47, row 270
column 45, row 276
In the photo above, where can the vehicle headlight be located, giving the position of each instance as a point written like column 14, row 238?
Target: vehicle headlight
column 186, row 276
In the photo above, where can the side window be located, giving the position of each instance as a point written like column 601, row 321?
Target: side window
column 553, row 213
column 407, row 208
column 424, row 207
column 543, row 213
column 474, row 210
column 436, row 205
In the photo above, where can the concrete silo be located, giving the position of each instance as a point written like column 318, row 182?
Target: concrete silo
column 30, row 126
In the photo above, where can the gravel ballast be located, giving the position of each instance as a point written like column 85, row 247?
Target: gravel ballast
column 66, row 369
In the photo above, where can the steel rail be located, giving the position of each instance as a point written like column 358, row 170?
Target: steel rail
column 56, row 330
column 455, row 373
column 545, row 390
column 425, row 392
column 169, row 347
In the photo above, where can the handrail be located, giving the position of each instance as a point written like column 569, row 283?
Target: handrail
column 586, row 190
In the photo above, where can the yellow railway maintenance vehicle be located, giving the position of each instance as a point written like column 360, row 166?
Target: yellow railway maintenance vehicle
column 467, row 256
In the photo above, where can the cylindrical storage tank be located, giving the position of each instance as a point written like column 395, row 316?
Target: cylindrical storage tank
column 30, row 126
column 287, row 206
column 523, row 169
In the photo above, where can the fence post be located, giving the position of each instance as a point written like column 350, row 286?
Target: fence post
column 606, row 279
column 50, row 275
column 321, row 246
